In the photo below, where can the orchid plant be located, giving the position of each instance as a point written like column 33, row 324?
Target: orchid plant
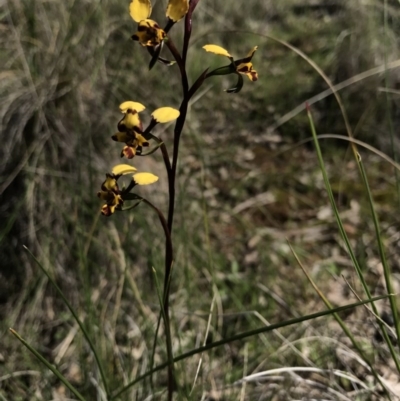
column 132, row 133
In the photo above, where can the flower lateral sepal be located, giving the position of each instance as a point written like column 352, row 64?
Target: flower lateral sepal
column 132, row 196
column 238, row 87
column 156, row 55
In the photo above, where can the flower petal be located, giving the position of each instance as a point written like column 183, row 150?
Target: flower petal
column 110, row 184
column 217, row 50
column 122, row 137
column 247, row 69
column 250, row 54
column 122, row 169
column 144, row 178
column 107, row 210
column 106, row 195
column 130, row 121
column 140, row 9
column 129, row 152
column 131, row 105
column 140, row 140
column 165, row 114
column 177, row 9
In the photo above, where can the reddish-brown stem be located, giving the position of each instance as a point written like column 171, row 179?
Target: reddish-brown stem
column 167, row 162
column 174, row 51
column 171, row 167
column 188, row 29
column 169, row 257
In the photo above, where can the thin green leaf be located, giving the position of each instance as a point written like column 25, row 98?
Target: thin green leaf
column 344, row 234
column 74, row 314
column 45, row 362
column 246, row 334
column 336, row 211
column 341, row 323
column 386, row 267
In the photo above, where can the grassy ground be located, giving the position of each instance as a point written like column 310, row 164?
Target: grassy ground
column 249, row 185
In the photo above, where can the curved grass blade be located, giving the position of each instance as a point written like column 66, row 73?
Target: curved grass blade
column 386, row 267
column 49, row 366
column 80, row 324
column 345, row 237
column 341, row 323
column 246, row 334
column 339, row 223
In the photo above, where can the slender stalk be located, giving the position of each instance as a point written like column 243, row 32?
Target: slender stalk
column 174, row 51
column 165, row 303
column 171, row 171
column 168, row 249
column 188, row 29
column 167, row 162
column 171, row 384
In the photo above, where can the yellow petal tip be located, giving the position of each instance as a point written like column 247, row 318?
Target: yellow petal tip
column 145, row 178
column 165, row 114
column 140, row 9
column 131, row 105
column 177, row 9
column 217, row 50
column 122, row 169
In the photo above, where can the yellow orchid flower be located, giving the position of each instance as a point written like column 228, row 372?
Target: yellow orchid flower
column 149, row 33
column 130, row 128
column 240, row 67
column 111, row 194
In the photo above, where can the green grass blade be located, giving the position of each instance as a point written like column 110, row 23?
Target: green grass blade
column 388, row 105
column 346, row 239
column 74, row 314
column 386, row 267
column 55, row 371
column 341, row 323
column 246, row 334
column 336, row 211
